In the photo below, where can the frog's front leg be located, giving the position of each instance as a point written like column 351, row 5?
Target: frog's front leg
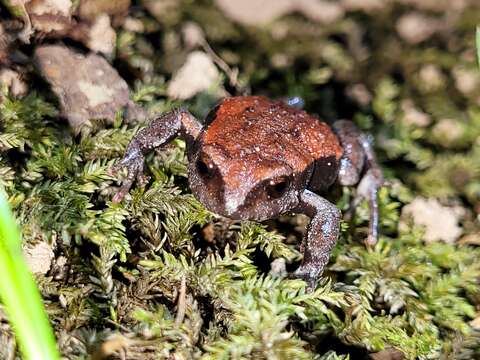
column 160, row 131
column 359, row 159
column 321, row 236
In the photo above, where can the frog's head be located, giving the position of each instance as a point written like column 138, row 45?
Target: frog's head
column 243, row 185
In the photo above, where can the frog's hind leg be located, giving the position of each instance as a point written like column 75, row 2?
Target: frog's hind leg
column 358, row 165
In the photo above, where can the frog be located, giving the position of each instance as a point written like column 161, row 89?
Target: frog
column 254, row 158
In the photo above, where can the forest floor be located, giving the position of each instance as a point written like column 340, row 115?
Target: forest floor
column 157, row 276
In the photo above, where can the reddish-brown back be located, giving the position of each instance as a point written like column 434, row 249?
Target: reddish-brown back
column 255, row 132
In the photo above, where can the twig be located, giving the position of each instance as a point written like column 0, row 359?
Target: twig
column 232, row 74
column 181, row 303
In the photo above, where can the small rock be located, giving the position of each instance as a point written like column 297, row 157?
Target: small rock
column 388, row 354
column 90, row 9
column 440, row 222
column 50, row 16
column 12, row 81
column 193, row 35
column 475, row 323
column 86, row 21
column 261, row 12
column 114, row 343
column 254, row 12
column 198, row 74
column 208, row 233
column 158, row 8
column 5, row 41
column 101, row 36
column 278, row 268
column 39, row 257
column 437, row 5
column 447, row 132
column 466, row 81
column 281, row 60
column 470, row 239
column 367, row 6
column 59, row 268
column 49, row 7
column 412, row 116
column 431, row 78
column 94, row 90
column 415, row 27
column 359, row 93
column 134, row 25
column 324, row 12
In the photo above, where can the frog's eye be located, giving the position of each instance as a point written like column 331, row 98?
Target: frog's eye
column 206, row 170
column 276, row 188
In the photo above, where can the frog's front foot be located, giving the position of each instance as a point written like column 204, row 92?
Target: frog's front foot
column 321, row 236
column 133, row 161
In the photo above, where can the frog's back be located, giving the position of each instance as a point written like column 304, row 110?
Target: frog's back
column 258, row 129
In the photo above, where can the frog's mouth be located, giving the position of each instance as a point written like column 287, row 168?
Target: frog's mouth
column 251, row 206
column 232, row 205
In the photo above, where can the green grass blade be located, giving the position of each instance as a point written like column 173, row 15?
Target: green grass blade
column 477, row 41
column 19, row 294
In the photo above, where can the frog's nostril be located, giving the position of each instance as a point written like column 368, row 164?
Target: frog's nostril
column 231, row 207
column 232, row 204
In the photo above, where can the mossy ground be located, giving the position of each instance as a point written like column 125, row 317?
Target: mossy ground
column 161, row 277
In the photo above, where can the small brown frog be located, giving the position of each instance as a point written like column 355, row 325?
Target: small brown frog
column 255, row 159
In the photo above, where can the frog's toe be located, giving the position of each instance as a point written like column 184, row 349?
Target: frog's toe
column 372, row 239
column 142, row 179
column 134, row 166
column 308, row 275
column 368, row 189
